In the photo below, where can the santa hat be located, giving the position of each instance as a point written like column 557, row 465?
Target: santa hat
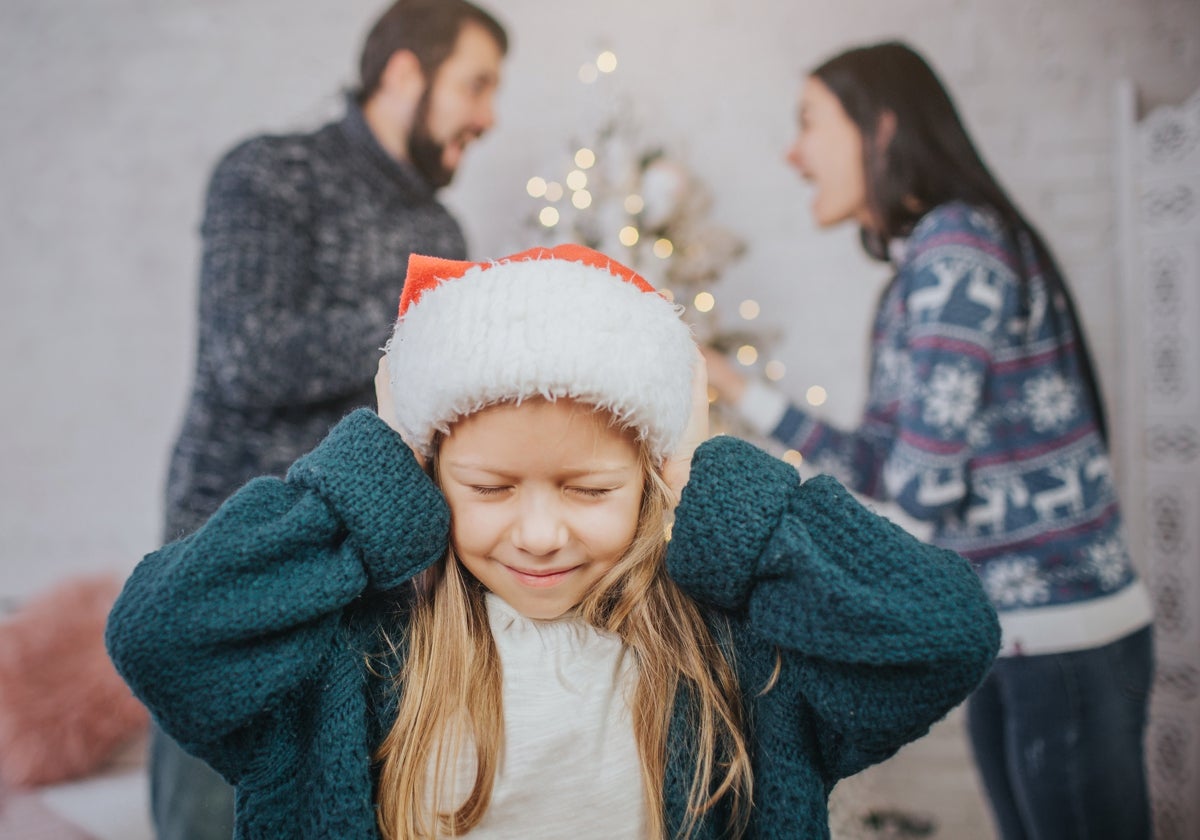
column 549, row 322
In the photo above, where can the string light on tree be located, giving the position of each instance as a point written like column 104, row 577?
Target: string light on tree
column 536, row 186
column 641, row 204
column 605, row 62
column 793, row 457
column 747, row 355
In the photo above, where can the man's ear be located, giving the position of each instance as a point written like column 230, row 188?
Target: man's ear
column 402, row 76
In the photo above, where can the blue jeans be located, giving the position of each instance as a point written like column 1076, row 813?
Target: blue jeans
column 1058, row 742
column 188, row 799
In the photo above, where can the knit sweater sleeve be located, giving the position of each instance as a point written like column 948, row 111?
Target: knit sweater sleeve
column 219, row 630
column 279, row 327
column 935, row 347
column 878, row 633
column 856, row 456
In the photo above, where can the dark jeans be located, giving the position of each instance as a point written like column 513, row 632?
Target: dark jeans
column 188, row 799
column 1058, row 741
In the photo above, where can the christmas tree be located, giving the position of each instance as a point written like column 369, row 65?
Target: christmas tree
column 643, row 206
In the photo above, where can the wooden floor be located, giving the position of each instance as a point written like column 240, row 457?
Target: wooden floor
column 929, row 789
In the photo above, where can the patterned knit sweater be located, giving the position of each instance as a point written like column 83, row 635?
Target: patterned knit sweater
column 248, row 639
column 977, row 422
column 306, row 240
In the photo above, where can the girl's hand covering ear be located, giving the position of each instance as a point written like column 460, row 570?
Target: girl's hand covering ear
column 386, row 409
column 678, row 465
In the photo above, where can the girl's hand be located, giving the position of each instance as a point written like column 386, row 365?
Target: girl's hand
column 725, row 379
column 386, row 409
column 678, row 466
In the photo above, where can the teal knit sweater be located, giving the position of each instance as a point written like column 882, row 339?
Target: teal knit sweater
column 248, row 639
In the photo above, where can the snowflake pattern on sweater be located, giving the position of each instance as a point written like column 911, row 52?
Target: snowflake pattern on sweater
column 977, row 420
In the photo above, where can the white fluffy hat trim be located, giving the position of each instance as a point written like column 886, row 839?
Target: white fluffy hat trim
column 563, row 322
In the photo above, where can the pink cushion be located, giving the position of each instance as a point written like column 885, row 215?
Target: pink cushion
column 64, row 711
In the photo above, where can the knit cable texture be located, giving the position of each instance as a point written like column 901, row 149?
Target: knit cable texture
column 250, row 640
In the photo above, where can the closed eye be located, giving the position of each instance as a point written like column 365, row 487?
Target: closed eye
column 591, row 492
column 488, row 490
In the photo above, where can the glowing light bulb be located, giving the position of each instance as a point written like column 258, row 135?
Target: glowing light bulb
column 629, row 236
column 668, row 294
column 585, row 158
column 554, row 191
column 548, row 217
column 747, row 354
column 815, row 395
column 663, row 248
column 576, row 179
column 582, row 199
column 606, row 62
column 704, row 302
column 774, row 370
column 793, row 457
column 536, row 187
column 634, row 204
column 748, row 309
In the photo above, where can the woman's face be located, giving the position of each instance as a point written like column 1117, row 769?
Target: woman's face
column 544, row 499
column 828, row 153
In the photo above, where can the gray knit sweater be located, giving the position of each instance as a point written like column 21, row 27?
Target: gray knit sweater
column 306, row 239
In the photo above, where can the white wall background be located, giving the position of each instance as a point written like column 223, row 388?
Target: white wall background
column 112, row 113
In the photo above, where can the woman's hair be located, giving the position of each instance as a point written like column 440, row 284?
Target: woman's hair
column 929, row 160
column 427, row 28
column 451, row 697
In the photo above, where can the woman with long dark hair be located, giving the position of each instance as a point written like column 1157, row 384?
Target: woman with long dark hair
column 984, row 419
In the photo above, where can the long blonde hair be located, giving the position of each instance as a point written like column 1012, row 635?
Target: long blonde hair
column 451, row 697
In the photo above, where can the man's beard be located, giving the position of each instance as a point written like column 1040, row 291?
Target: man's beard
column 424, row 151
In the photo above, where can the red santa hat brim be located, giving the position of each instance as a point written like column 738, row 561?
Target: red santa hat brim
column 560, row 322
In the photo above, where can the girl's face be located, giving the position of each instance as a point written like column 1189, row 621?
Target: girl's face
column 828, row 153
column 544, row 499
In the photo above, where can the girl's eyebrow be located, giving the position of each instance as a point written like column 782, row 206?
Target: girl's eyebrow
column 598, row 469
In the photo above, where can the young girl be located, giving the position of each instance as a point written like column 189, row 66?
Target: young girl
column 983, row 419
column 467, row 617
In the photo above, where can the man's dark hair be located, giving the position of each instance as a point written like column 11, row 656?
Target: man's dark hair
column 426, row 28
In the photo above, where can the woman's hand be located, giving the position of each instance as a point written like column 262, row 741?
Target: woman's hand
column 386, row 408
column 725, row 379
column 679, row 465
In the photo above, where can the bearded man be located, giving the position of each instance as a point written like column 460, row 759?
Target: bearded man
column 306, row 239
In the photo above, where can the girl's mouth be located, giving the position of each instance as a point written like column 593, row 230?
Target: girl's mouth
column 540, row 579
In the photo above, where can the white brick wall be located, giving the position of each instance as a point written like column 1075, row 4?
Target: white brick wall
column 114, row 112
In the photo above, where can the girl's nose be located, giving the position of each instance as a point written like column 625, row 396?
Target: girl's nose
column 540, row 528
